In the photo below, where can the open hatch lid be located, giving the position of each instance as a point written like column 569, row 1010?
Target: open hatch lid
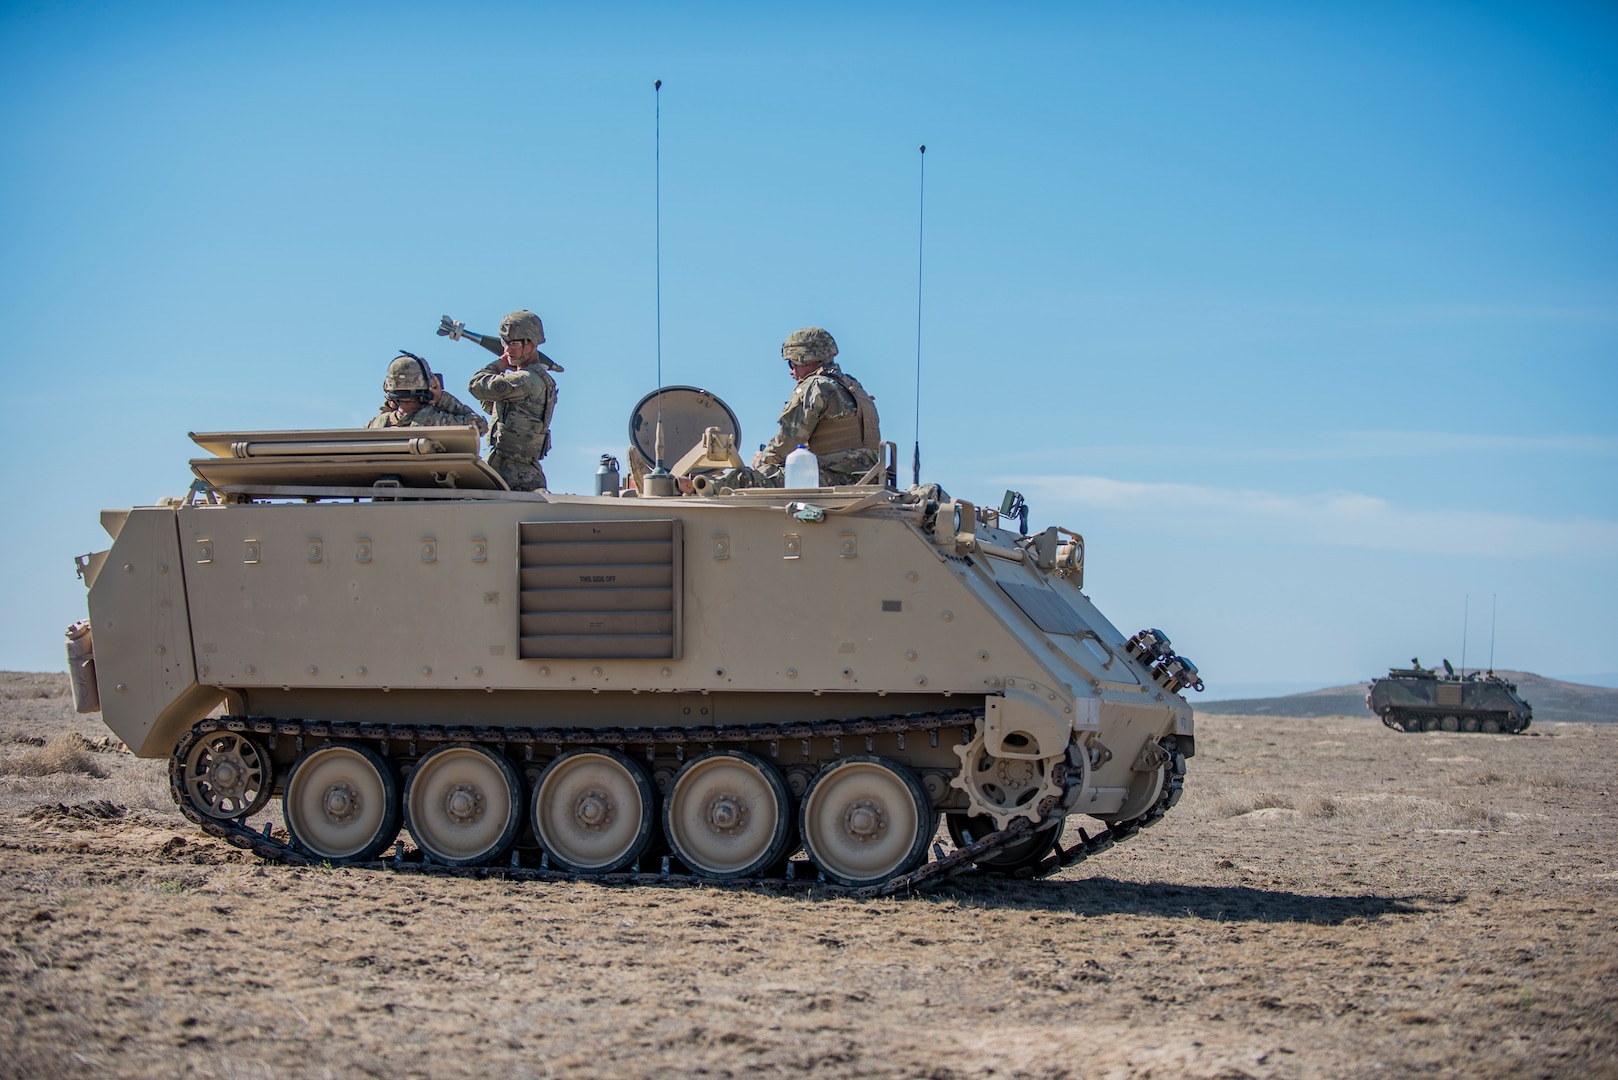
column 415, row 457
column 687, row 411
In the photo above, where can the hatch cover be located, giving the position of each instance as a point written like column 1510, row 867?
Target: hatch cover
column 1048, row 611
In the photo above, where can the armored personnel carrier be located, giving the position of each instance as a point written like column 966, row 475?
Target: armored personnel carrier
column 370, row 626
column 1420, row 699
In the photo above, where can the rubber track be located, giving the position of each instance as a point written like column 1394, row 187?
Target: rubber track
column 1400, row 719
column 942, row 867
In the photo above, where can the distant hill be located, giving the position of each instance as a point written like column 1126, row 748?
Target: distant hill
column 1551, row 699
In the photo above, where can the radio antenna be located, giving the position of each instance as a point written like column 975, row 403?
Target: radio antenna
column 658, row 482
column 1465, row 612
column 1493, row 597
column 657, row 230
column 921, row 233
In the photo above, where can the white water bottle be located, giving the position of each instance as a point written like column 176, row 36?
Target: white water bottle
column 803, row 468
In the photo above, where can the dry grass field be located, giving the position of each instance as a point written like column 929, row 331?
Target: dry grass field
column 1329, row 899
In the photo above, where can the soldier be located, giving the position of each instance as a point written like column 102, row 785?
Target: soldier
column 409, row 387
column 522, row 395
column 829, row 412
column 448, row 403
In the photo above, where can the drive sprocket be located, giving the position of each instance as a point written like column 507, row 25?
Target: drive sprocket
column 1006, row 788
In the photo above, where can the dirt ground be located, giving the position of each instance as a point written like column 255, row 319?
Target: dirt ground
column 1329, row 899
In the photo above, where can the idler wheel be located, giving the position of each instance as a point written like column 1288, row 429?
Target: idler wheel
column 341, row 803
column 729, row 815
column 1144, row 789
column 866, row 819
column 227, row 775
column 1017, row 855
column 462, row 805
column 594, row 811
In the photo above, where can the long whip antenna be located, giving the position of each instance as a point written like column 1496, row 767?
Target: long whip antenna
column 1466, row 612
column 657, row 217
column 921, row 233
column 1493, row 597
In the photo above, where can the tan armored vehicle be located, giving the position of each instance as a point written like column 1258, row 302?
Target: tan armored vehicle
column 632, row 688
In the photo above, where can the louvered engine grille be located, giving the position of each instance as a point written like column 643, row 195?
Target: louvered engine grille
column 599, row 590
column 1449, row 694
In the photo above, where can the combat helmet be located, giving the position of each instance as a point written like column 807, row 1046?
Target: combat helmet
column 408, row 379
column 523, row 325
column 811, row 345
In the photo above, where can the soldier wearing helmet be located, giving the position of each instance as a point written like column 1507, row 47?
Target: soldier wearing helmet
column 521, row 394
column 829, row 412
column 411, row 397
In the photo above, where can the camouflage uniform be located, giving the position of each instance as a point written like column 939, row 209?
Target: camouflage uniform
column 426, row 416
column 524, row 399
column 829, row 412
column 823, row 395
column 450, row 405
column 409, row 379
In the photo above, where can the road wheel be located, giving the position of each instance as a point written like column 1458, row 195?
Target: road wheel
column 1450, row 723
column 341, row 803
column 594, row 811
column 866, row 819
column 1469, row 723
column 227, row 775
column 729, row 815
column 462, row 805
column 1491, row 726
column 1430, row 723
column 1028, row 851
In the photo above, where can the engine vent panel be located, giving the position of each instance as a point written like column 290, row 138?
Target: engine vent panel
column 599, row 590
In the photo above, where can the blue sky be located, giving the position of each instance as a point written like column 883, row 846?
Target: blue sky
column 1305, row 315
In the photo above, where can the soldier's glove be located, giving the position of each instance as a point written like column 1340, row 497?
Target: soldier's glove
column 448, row 327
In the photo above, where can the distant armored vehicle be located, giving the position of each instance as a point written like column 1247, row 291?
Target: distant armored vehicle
column 626, row 689
column 1420, row 699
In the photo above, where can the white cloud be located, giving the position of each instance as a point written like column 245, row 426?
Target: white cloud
column 1332, row 519
column 1384, row 444
column 1353, row 446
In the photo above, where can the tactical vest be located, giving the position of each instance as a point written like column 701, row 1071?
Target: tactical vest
column 858, row 430
column 505, row 437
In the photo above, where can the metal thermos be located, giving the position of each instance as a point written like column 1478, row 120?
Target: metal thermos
column 607, row 479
